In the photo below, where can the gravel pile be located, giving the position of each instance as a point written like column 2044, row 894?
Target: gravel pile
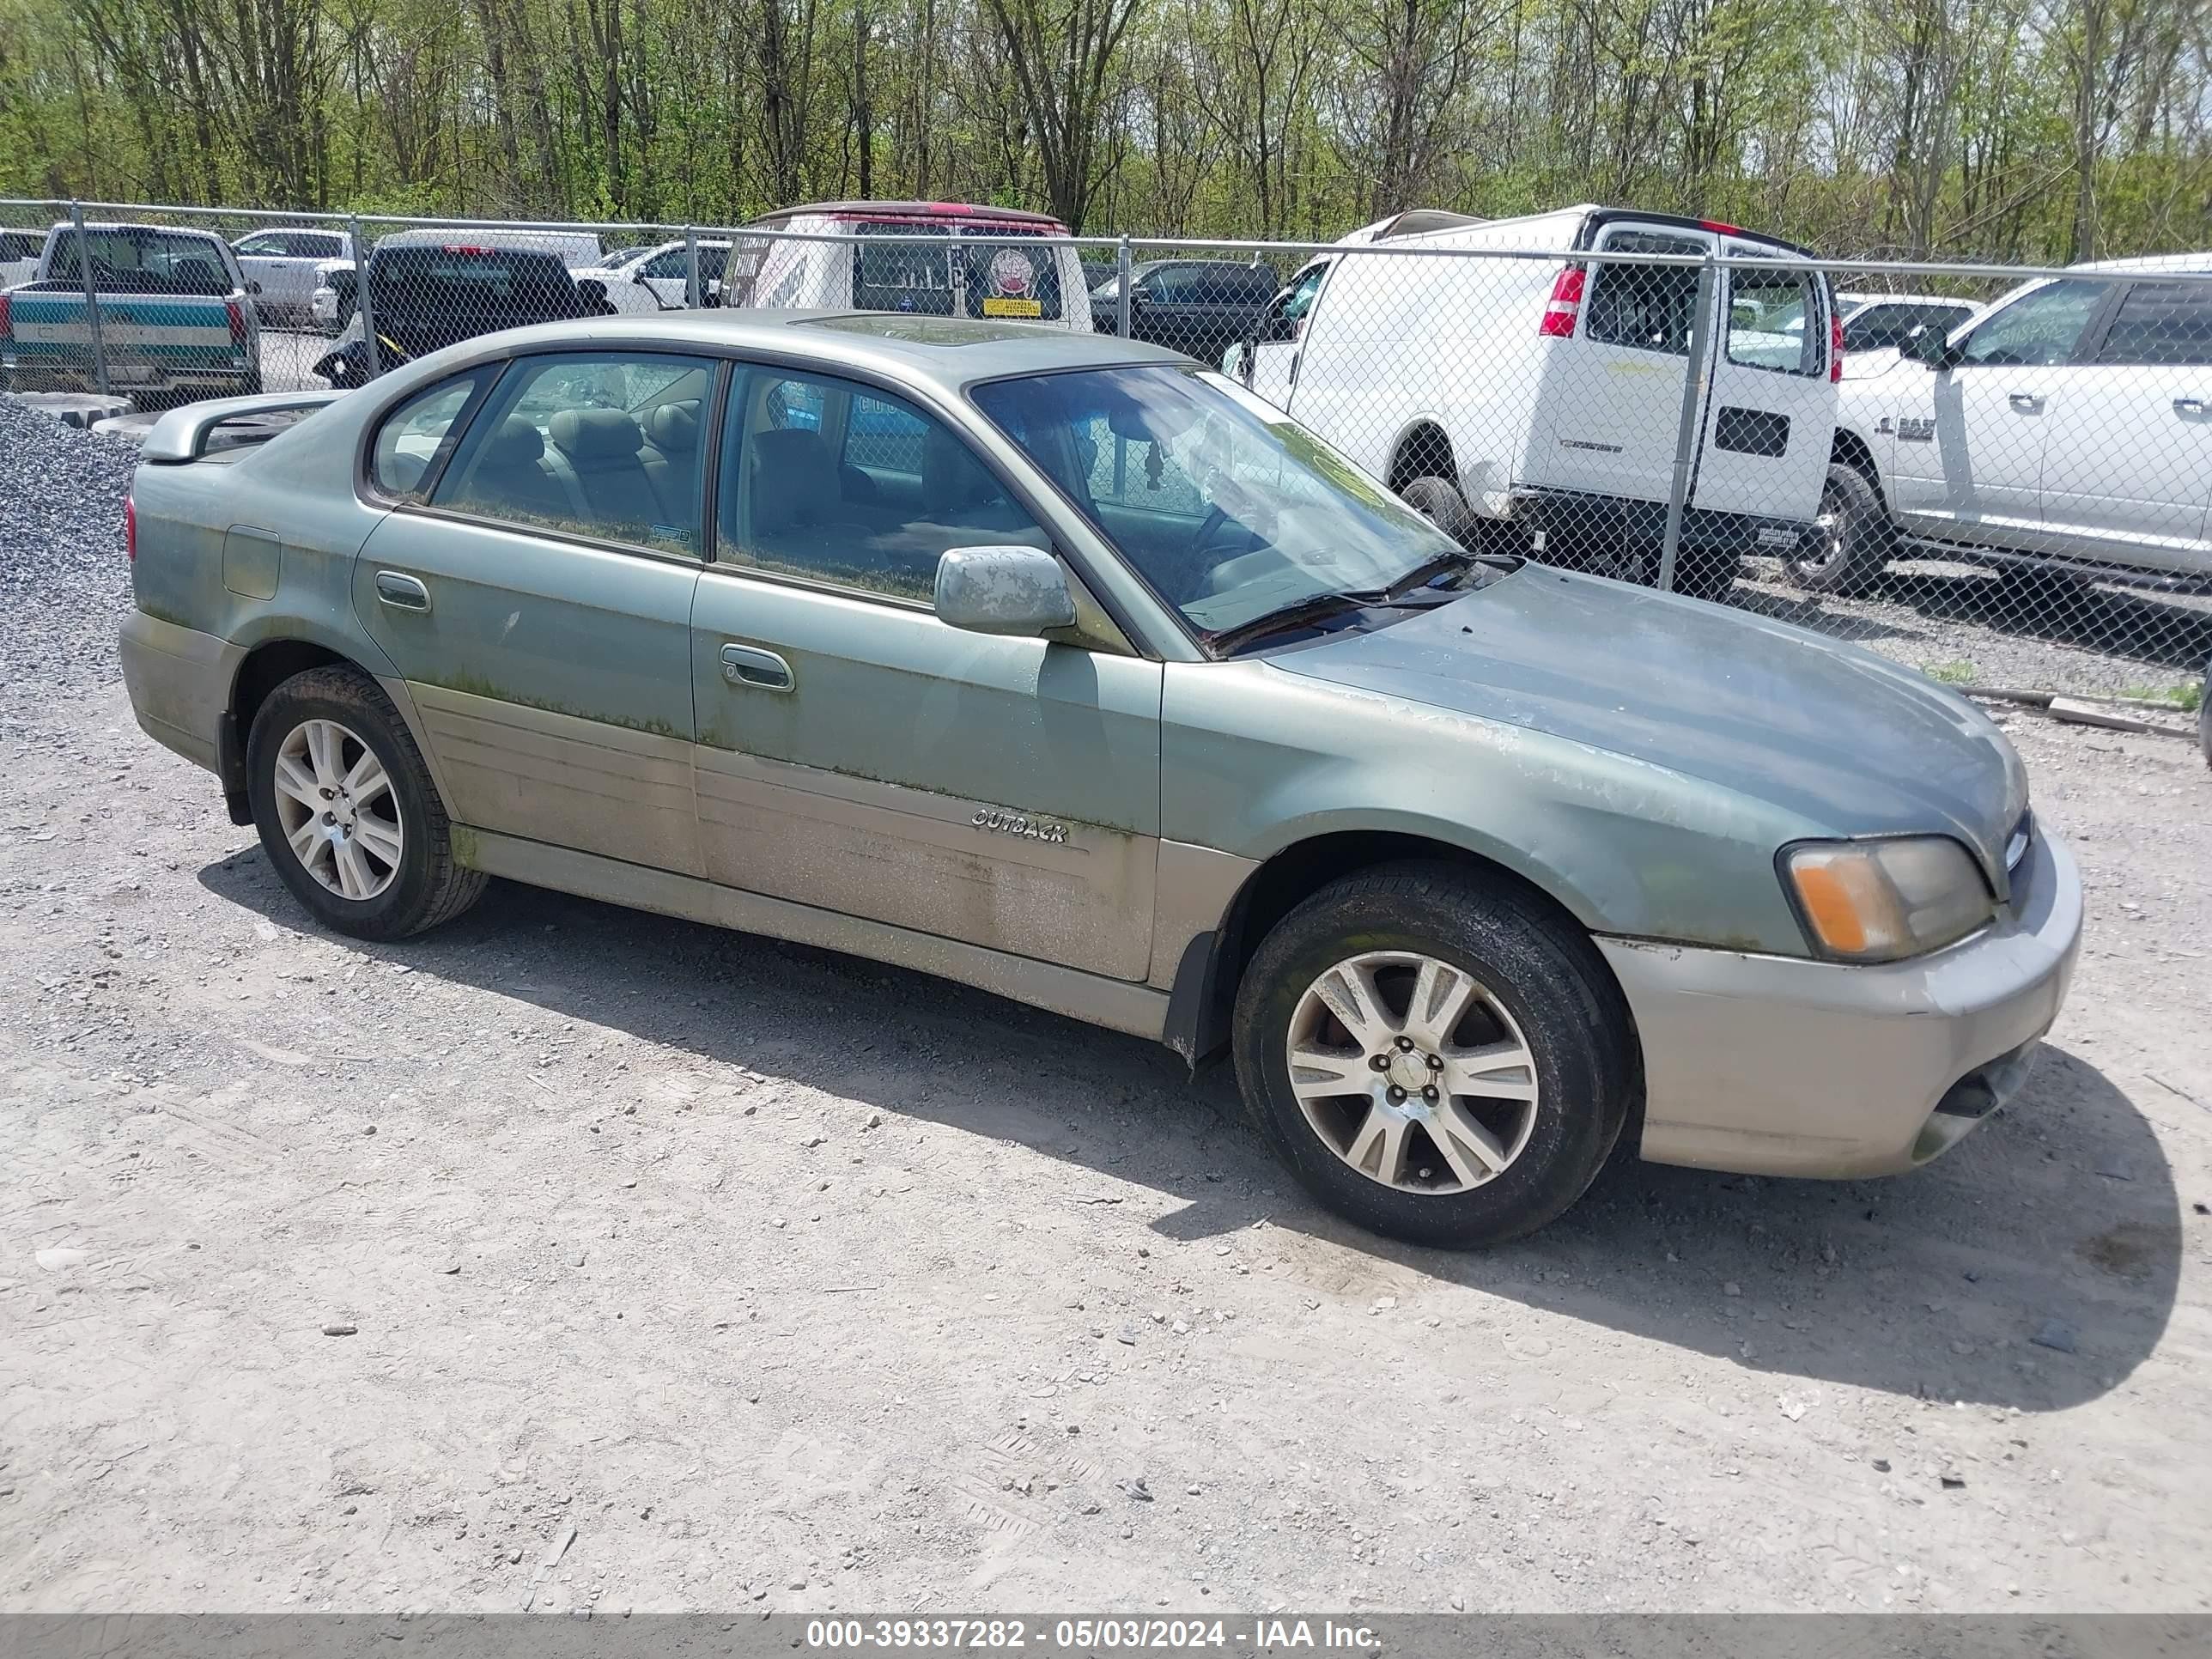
column 64, row 577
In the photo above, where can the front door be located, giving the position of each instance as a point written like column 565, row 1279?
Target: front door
column 1270, row 366
column 2127, row 472
column 857, row 755
column 1970, row 439
column 534, row 590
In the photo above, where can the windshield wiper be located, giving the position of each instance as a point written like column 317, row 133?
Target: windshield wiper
column 1425, row 574
column 1313, row 608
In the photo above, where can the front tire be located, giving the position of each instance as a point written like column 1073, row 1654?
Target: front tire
column 1438, row 500
column 1437, row 1058
column 1851, row 556
column 347, row 812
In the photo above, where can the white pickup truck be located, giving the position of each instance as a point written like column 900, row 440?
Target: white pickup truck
column 2066, row 426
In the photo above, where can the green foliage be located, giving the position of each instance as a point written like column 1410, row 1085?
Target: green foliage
column 2019, row 129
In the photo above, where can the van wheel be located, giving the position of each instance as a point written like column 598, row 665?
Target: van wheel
column 1440, row 502
column 1437, row 1059
column 1854, row 549
column 347, row 812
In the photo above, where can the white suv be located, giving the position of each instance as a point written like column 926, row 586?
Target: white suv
column 2067, row 425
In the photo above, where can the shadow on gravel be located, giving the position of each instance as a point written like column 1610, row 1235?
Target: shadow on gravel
column 2058, row 1219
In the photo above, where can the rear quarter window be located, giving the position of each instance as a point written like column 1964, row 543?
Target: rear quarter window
column 414, row 439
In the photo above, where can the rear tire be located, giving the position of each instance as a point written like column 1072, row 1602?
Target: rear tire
column 1850, row 558
column 1535, row 1064
column 347, row 812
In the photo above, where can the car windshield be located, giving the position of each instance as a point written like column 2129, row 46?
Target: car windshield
column 1227, row 508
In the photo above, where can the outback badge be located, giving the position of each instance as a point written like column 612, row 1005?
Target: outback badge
column 1004, row 823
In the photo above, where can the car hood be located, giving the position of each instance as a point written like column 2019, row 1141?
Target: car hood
column 1832, row 734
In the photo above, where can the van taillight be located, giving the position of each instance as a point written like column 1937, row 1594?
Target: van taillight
column 1835, row 345
column 130, row 529
column 1566, row 304
column 236, row 314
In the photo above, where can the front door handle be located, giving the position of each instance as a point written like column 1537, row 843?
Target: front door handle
column 2028, row 403
column 2192, row 406
column 401, row 592
column 746, row 665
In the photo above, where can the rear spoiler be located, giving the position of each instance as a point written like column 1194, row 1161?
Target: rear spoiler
column 183, row 434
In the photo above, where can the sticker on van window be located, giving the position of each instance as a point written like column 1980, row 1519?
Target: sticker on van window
column 1012, row 277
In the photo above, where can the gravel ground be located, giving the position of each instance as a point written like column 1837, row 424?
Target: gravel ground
column 787, row 1281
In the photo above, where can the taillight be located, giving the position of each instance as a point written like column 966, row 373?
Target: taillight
column 236, row 313
column 7, row 321
column 1564, row 305
column 1835, row 345
column 130, row 529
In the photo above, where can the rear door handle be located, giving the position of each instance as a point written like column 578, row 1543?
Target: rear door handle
column 2028, row 403
column 401, row 592
column 746, row 665
column 2189, row 406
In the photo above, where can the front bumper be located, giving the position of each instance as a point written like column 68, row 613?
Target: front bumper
column 1781, row 1066
column 179, row 683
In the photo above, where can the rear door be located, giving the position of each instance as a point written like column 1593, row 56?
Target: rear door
column 533, row 588
column 1610, row 397
column 2127, row 458
column 1770, row 416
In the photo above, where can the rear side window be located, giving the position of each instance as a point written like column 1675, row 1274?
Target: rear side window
column 1648, row 307
column 1775, row 320
column 417, row 436
column 602, row 445
column 311, row 245
column 2162, row 323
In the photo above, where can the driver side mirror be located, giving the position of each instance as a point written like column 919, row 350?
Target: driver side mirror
column 253, row 287
column 1003, row 590
column 1926, row 344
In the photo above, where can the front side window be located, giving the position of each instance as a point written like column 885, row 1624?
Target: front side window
column 1294, row 305
column 2162, row 323
column 262, row 245
column 2041, row 326
column 1769, row 312
column 662, row 266
column 602, row 445
column 1228, row 508
column 416, row 436
column 1649, row 307
column 841, row 483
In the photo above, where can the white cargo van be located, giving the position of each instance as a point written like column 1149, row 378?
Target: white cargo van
column 1549, row 392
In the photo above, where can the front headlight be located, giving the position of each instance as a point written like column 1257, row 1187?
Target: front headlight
column 1878, row 900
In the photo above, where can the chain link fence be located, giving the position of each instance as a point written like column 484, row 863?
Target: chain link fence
column 2000, row 477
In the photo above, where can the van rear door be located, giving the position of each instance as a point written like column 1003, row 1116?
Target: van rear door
column 1610, row 387
column 1769, row 416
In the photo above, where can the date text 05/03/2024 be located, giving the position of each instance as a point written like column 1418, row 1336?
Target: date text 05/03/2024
column 1085, row 1635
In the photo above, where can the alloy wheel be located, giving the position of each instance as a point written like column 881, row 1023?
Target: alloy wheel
column 338, row 811
column 1411, row 1071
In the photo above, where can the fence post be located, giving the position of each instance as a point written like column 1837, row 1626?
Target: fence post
column 1122, row 287
column 361, row 300
column 1695, row 374
column 692, row 267
column 91, row 299
column 959, row 260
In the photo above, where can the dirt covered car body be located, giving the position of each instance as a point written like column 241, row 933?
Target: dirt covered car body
column 1061, row 667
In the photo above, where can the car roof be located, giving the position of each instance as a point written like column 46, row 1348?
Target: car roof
column 2152, row 262
column 947, row 352
column 872, row 210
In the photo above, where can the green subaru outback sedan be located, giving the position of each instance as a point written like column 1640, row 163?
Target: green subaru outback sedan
column 1063, row 666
